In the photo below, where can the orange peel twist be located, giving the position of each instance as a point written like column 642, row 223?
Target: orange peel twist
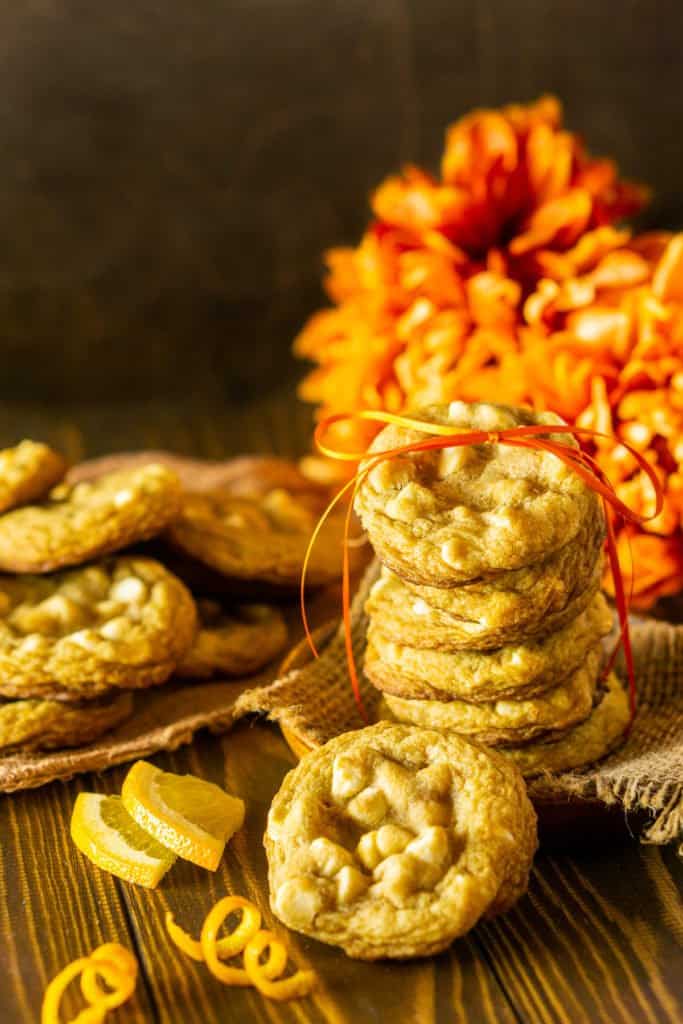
column 261, row 974
column 232, row 944
column 441, row 436
column 249, row 939
column 114, row 964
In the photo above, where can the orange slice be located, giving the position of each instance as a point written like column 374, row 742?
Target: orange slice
column 190, row 816
column 103, row 830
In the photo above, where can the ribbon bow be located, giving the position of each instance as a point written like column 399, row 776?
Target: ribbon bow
column 441, row 436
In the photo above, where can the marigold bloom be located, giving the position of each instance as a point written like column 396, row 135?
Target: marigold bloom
column 509, row 279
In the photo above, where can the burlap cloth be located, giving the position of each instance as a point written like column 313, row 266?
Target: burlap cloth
column 315, row 703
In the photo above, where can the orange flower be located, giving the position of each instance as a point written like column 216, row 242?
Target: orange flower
column 507, row 279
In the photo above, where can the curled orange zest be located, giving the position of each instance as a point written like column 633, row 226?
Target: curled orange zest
column 297, row 985
column 247, row 938
column 234, row 943
column 441, row 436
column 225, row 948
column 114, row 964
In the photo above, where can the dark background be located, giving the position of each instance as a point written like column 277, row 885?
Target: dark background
column 171, row 172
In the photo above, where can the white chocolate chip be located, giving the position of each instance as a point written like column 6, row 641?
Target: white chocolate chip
column 122, row 498
column 398, row 876
column 115, row 629
column 375, row 846
column 129, row 590
column 85, row 638
column 392, row 839
column 452, row 552
column 351, row 883
column 348, row 777
column 432, row 849
column 457, row 411
column 435, row 779
column 411, row 502
column 329, row 857
column 369, row 808
column 298, row 900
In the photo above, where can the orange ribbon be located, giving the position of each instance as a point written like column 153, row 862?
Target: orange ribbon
column 441, row 436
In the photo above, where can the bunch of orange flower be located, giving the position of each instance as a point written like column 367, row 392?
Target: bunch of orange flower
column 507, row 280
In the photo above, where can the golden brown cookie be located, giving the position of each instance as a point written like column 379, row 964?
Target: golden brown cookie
column 27, row 473
column 234, row 642
column 446, row 517
column 517, row 670
column 84, row 521
column 506, row 722
column 391, row 841
column 590, row 741
column 50, row 724
column 124, row 622
column 407, row 619
column 261, row 537
column 243, row 474
column 520, row 603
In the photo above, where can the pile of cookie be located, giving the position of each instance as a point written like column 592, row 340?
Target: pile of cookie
column 121, row 575
column 488, row 618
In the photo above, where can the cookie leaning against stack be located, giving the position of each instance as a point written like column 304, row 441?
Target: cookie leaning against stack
column 487, row 618
column 72, row 643
column 393, row 840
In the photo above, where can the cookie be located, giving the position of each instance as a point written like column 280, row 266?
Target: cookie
column 407, row 619
column 78, row 523
column 51, row 724
column 124, row 622
column 27, row 473
column 262, row 537
column 522, row 602
column 590, row 741
column 234, row 642
column 446, row 517
column 243, row 474
column 506, row 721
column 391, row 841
column 516, row 670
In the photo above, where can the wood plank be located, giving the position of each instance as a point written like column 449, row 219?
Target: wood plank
column 54, row 906
column 597, row 937
column 251, row 761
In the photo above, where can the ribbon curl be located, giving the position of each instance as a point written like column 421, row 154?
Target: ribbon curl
column 439, row 436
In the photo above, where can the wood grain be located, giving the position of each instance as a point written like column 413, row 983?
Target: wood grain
column 598, row 938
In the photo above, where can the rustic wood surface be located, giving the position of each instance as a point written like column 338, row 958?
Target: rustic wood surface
column 598, row 937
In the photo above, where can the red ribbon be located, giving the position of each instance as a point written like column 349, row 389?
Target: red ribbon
column 441, row 436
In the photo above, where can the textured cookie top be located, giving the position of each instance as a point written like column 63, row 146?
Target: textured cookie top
column 77, row 523
column 261, row 536
column 444, row 517
column 27, row 472
column 392, row 840
column 524, row 596
column 122, row 622
column 528, row 667
column 233, row 641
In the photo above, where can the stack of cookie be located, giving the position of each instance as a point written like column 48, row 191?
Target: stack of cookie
column 488, row 618
column 83, row 622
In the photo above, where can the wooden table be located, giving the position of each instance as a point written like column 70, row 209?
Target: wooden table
column 597, row 939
